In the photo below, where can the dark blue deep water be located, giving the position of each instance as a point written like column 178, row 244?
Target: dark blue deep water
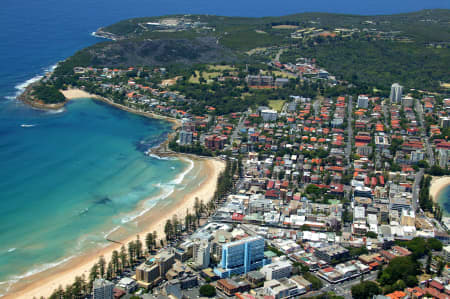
column 56, row 174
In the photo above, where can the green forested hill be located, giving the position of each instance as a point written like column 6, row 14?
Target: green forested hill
column 410, row 48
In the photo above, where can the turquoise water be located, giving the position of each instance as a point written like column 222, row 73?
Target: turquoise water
column 444, row 200
column 69, row 178
column 75, row 176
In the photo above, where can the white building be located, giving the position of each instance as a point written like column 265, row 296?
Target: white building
column 127, row 284
column 186, row 137
column 359, row 213
column 446, row 250
column 363, row 101
column 269, row 115
column 277, row 270
column 417, row 156
column 396, row 93
column 103, row 289
column 201, row 254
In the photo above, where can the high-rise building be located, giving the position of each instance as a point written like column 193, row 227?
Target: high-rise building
column 396, row 93
column 269, row 115
column 242, row 256
column 186, row 137
column 363, row 101
column 201, row 253
column 155, row 268
column 103, row 289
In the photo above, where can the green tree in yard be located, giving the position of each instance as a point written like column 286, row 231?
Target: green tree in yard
column 312, row 189
column 93, row 274
column 131, row 252
column 138, row 247
column 109, row 271
column 316, row 282
column 428, row 265
column 411, row 281
column 372, row 235
column 365, row 289
column 123, row 257
column 149, row 241
column 207, row 290
column 434, row 244
column 398, row 269
column 115, row 261
column 168, row 230
column 101, row 266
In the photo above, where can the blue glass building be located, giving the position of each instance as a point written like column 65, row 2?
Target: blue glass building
column 242, row 256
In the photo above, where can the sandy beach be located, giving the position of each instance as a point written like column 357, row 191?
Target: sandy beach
column 74, row 93
column 43, row 284
column 437, row 185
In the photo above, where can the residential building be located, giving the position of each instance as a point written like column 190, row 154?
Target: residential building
column 280, row 82
column 269, row 115
column 283, row 288
column 154, row 269
column 230, row 286
column 396, row 93
column 446, row 251
column 259, row 80
column 185, row 138
column 277, row 270
column 363, row 101
column 332, row 252
column 102, row 289
column 201, row 253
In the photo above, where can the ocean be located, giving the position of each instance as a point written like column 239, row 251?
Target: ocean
column 67, row 178
column 443, row 199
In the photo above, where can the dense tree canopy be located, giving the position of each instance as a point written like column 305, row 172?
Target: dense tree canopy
column 365, row 289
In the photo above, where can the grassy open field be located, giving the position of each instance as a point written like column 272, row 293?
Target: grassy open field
column 206, row 75
column 221, row 68
column 285, row 27
column 276, row 104
column 279, row 74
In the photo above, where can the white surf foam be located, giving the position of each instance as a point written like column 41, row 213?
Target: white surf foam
column 56, row 111
column 10, row 97
column 20, row 88
column 181, row 176
column 167, row 190
column 162, row 158
column 33, row 271
column 111, row 231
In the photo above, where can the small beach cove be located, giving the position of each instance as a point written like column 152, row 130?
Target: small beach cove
column 440, row 192
column 144, row 189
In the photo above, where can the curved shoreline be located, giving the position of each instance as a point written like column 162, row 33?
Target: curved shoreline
column 76, row 93
column 44, row 283
column 437, row 186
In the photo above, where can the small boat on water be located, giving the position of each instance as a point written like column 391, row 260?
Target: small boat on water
column 27, row 125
